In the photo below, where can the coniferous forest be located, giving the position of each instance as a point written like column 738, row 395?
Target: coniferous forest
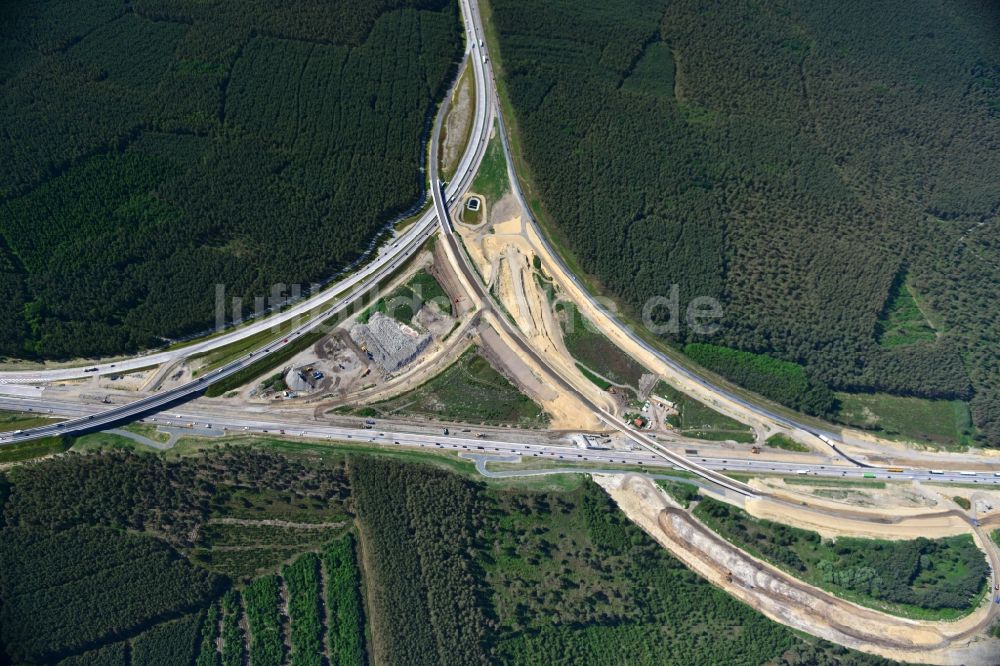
column 243, row 555
column 152, row 149
column 810, row 164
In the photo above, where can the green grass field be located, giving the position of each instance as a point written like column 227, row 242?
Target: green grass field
column 936, row 422
column 904, row 322
column 491, row 180
column 595, row 351
column 468, row 391
column 602, row 384
column 148, row 431
column 219, row 357
column 695, row 419
column 783, row 442
column 841, row 483
column 684, row 493
column 11, row 421
column 33, row 449
column 102, row 441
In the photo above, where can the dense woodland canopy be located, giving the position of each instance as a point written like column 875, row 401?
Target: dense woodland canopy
column 152, row 149
column 444, row 569
column 797, row 160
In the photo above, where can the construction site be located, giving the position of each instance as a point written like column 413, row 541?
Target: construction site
column 394, row 359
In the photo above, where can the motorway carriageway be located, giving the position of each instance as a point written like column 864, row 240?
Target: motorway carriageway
column 202, row 423
column 569, row 454
column 470, row 276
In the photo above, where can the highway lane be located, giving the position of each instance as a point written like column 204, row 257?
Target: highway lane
column 374, row 273
column 487, row 107
column 205, row 422
column 471, row 277
column 486, row 103
column 358, row 283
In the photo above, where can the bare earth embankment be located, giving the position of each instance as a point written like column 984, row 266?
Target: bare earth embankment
column 789, row 601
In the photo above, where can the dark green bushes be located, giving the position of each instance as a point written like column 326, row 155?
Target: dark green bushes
column 168, row 644
column 302, row 580
column 133, row 580
column 262, row 602
column 232, row 633
column 421, row 524
column 781, row 381
column 940, row 576
column 344, row 608
column 753, row 154
column 208, row 653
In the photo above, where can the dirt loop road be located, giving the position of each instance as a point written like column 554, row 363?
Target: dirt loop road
column 789, row 601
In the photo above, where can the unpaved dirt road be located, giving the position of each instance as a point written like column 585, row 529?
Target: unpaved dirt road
column 791, row 602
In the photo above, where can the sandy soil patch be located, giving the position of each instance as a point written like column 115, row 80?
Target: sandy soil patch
column 787, row 600
column 830, row 524
column 567, row 413
column 504, row 256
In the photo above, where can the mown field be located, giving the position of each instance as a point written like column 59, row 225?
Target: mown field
column 434, row 567
column 22, row 421
column 935, row 422
column 594, row 350
column 695, row 419
column 491, row 180
column 822, row 173
column 152, row 150
column 468, row 391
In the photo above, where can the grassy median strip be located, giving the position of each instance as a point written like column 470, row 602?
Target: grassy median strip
column 293, row 347
column 35, row 448
column 696, row 419
column 842, row 483
column 684, row 493
column 267, row 363
column 602, row 384
column 10, row 421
